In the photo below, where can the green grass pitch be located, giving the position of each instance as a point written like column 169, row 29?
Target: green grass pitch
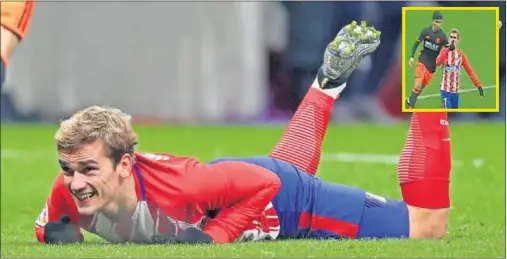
column 477, row 40
column 477, row 226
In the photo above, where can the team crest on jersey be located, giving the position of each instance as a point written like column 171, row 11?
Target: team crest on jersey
column 43, row 218
column 452, row 68
column 437, row 40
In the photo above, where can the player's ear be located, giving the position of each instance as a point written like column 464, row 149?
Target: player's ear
column 124, row 166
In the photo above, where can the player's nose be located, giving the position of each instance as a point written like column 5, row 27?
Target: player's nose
column 78, row 183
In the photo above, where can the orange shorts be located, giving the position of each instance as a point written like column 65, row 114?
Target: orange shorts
column 16, row 16
column 423, row 73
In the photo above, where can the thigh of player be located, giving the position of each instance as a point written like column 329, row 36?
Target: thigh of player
column 420, row 70
column 455, row 100
column 422, row 73
column 384, row 218
column 325, row 211
column 340, row 211
column 447, row 99
column 428, row 76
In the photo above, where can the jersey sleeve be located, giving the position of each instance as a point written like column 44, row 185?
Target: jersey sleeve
column 58, row 204
column 240, row 190
column 445, row 40
column 16, row 16
column 442, row 56
column 421, row 36
column 470, row 71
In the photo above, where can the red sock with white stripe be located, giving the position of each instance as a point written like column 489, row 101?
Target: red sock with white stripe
column 425, row 162
column 301, row 143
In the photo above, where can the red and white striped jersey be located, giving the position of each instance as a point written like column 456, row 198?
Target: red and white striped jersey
column 451, row 62
column 175, row 193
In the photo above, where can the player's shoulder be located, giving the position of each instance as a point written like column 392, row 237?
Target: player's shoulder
column 426, row 29
column 164, row 163
column 442, row 34
column 162, row 158
column 59, row 184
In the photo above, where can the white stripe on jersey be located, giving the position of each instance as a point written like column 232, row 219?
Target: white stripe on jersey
column 451, row 71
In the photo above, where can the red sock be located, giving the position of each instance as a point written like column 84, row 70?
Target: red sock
column 425, row 162
column 301, row 143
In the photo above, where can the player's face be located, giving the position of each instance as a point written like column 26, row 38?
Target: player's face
column 453, row 39
column 437, row 23
column 92, row 178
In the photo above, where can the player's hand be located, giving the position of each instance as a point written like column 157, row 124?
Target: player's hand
column 188, row 236
column 452, row 47
column 193, row 236
column 411, row 62
column 61, row 232
column 481, row 91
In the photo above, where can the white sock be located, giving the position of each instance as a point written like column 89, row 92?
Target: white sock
column 334, row 92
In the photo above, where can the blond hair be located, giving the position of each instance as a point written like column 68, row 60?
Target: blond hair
column 109, row 125
column 455, row 31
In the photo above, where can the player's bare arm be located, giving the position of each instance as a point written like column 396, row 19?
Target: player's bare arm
column 15, row 20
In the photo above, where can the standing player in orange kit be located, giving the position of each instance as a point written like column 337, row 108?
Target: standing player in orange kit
column 452, row 59
column 107, row 188
column 15, row 20
column 433, row 39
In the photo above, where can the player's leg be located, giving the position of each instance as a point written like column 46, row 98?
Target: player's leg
column 420, row 74
column 424, row 174
column 446, row 99
column 301, row 143
column 455, row 100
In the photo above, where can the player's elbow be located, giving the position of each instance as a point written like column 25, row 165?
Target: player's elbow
column 39, row 234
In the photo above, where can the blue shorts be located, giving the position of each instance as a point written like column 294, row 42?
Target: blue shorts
column 384, row 218
column 449, row 100
column 311, row 208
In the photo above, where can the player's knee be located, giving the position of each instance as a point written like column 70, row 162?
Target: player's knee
column 428, row 223
column 418, row 83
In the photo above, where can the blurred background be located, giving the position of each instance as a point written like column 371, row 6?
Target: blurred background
column 205, row 62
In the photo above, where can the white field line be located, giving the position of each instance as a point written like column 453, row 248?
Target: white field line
column 461, row 91
column 343, row 157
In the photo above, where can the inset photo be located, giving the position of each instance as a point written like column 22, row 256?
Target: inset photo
column 450, row 59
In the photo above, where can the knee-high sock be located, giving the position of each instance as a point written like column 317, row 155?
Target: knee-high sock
column 301, row 143
column 425, row 162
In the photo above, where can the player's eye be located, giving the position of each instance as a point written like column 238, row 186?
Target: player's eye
column 453, row 37
column 89, row 169
column 67, row 170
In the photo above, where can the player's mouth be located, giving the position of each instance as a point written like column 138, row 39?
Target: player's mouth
column 85, row 196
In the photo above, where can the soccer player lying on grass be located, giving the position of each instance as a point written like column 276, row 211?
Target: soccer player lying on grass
column 433, row 39
column 15, row 19
column 452, row 59
column 108, row 189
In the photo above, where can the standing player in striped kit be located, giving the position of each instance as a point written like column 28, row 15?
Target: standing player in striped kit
column 452, row 59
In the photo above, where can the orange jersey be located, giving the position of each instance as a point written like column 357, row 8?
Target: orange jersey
column 452, row 61
column 175, row 193
column 16, row 16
